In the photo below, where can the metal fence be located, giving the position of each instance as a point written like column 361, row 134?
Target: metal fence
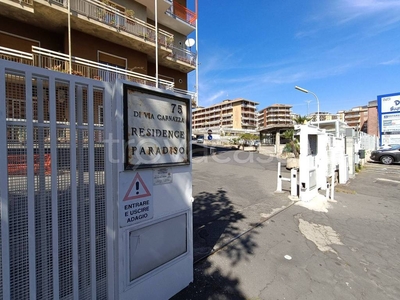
column 53, row 206
column 368, row 142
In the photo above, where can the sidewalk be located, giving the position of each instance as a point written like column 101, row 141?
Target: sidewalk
column 342, row 249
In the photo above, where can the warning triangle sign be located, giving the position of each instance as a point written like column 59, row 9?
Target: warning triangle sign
column 137, row 189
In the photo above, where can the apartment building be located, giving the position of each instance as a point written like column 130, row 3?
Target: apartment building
column 357, row 117
column 325, row 116
column 373, row 123
column 275, row 115
column 230, row 116
column 102, row 40
column 273, row 120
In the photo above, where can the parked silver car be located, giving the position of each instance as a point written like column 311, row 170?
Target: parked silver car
column 387, row 155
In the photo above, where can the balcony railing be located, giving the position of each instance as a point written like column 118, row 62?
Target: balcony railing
column 16, row 56
column 82, row 67
column 26, row 2
column 106, row 14
column 183, row 55
column 181, row 12
column 56, row 61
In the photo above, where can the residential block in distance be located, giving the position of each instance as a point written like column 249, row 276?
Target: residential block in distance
column 273, row 120
column 228, row 117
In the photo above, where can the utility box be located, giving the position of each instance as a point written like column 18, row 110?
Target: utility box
column 154, row 194
column 361, row 153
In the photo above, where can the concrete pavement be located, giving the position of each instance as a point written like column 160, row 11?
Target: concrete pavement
column 265, row 246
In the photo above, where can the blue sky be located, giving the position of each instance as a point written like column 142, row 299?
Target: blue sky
column 345, row 51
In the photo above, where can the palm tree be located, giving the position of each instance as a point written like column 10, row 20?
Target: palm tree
column 301, row 120
column 293, row 146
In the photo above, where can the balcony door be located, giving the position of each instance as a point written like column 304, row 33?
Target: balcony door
column 115, row 65
column 16, row 42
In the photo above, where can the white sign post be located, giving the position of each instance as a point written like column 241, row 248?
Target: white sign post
column 155, row 235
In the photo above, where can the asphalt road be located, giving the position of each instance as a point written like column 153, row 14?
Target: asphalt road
column 251, row 243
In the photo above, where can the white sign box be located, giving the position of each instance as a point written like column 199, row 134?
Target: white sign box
column 156, row 129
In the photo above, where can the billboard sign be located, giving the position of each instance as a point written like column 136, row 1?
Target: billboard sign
column 389, row 118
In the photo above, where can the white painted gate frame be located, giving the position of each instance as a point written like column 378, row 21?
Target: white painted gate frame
column 28, row 72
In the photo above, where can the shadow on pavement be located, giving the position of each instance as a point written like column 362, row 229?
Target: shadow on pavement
column 211, row 284
column 215, row 224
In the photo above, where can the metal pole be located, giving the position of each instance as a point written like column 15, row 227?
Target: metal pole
column 328, row 187
column 279, row 184
column 197, row 57
column 156, row 24
column 293, row 182
column 317, row 107
column 308, row 106
column 69, row 39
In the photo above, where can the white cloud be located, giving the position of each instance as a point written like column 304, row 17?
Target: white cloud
column 394, row 61
column 205, row 99
column 372, row 5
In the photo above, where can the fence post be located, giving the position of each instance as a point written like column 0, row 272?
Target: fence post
column 279, row 183
column 293, row 182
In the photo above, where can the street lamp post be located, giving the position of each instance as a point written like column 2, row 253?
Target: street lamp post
column 308, row 106
column 309, row 92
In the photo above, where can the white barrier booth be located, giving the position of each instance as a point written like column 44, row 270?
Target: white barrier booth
column 321, row 156
column 311, row 160
column 154, row 246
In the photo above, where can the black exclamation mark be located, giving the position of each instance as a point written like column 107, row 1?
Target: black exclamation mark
column 137, row 187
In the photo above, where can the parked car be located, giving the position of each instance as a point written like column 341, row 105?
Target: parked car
column 387, row 155
column 200, row 141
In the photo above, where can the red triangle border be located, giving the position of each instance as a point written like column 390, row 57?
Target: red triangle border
column 137, row 178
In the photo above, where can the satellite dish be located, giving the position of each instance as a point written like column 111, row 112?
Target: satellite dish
column 189, row 42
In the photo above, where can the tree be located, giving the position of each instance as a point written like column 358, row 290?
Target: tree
column 293, row 146
column 249, row 137
column 245, row 139
column 301, row 120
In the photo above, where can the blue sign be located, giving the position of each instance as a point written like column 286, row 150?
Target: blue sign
column 389, row 118
column 210, row 137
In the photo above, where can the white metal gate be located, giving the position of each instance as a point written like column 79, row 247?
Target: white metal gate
column 54, row 213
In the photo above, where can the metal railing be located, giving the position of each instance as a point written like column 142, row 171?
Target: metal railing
column 27, row 2
column 16, row 56
column 106, row 14
column 183, row 55
column 183, row 13
column 56, row 61
column 82, row 67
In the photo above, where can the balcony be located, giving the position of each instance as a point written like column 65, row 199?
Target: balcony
column 105, row 22
column 172, row 15
column 248, row 105
column 56, row 61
